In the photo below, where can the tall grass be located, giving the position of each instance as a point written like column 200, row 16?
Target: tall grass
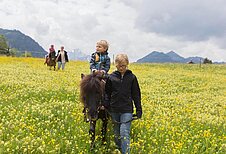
column 184, row 108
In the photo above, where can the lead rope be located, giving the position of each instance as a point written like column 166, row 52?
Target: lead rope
column 117, row 122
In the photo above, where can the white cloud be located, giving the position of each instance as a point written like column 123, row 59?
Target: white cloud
column 192, row 20
column 135, row 27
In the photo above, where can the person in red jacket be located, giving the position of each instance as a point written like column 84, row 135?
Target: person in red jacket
column 51, row 57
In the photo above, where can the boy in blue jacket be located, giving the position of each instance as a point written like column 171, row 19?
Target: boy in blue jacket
column 100, row 61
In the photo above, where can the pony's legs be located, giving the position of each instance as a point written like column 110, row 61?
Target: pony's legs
column 92, row 133
column 104, row 131
column 85, row 115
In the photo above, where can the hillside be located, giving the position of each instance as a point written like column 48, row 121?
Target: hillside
column 155, row 57
column 22, row 42
column 175, row 57
column 170, row 57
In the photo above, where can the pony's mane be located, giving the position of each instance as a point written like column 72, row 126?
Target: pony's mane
column 91, row 83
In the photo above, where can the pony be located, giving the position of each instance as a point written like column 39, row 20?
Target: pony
column 91, row 95
column 51, row 61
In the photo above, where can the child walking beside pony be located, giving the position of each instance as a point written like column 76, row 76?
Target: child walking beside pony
column 122, row 92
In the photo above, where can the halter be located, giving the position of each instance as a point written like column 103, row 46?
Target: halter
column 85, row 112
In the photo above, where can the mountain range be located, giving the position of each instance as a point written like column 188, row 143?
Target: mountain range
column 77, row 54
column 22, row 42
column 170, row 57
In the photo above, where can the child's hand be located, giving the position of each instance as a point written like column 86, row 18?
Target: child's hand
column 102, row 108
column 139, row 113
column 94, row 70
column 103, row 71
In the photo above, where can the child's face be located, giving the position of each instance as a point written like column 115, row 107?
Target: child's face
column 100, row 48
column 122, row 67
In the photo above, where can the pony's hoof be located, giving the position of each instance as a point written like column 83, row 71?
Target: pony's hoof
column 92, row 146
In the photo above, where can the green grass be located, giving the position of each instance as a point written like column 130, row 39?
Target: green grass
column 184, row 108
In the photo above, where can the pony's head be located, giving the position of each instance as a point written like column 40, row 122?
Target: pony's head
column 91, row 92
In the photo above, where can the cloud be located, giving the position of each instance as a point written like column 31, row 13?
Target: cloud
column 190, row 20
column 132, row 3
column 134, row 27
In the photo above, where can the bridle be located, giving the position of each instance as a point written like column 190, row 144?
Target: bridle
column 86, row 115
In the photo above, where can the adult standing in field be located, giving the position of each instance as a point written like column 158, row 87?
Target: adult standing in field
column 62, row 58
column 121, row 92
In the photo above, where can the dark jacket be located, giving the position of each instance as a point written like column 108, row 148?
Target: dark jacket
column 52, row 55
column 59, row 58
column 122, row 92
column 102, row 63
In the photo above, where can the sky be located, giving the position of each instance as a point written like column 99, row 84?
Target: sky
column 135, row 27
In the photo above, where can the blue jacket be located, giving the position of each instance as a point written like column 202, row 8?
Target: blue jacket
column 102, row 63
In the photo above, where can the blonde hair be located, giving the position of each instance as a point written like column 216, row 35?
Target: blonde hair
column 121, row 58
column 103, row 43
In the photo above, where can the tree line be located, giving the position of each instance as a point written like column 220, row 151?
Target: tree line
column 7, row 51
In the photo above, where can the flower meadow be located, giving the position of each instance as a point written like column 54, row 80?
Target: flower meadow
column 184, row 109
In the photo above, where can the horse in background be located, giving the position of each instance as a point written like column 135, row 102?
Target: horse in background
column 50, row 60
column 91, row 94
